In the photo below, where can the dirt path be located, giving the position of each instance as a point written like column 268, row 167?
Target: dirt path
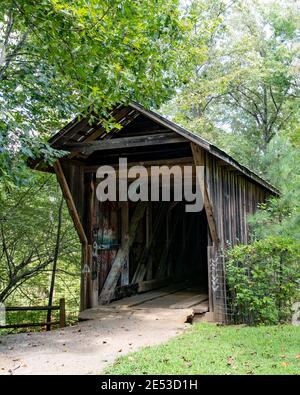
column 88, row 347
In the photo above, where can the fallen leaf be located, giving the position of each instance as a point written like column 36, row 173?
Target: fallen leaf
column 284, row 364
column 298, row 356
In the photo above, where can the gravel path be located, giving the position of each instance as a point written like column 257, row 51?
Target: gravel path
column 89, row 346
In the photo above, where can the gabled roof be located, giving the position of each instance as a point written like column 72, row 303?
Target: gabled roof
column 81, row 131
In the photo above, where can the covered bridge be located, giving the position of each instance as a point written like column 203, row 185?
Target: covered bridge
column 134, row 247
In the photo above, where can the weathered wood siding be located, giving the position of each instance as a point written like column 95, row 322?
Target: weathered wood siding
column 231, row 194
column 233, row 197
column 74, row 174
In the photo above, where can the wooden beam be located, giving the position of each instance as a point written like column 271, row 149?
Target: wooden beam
column 124, row 142
column 125, row 235
column 147, row 163
column 149, row 285
column 190, row 302
column 84, row 302
column 70, row 202
column 149, row 272
column 109, row 286
column 199, row 160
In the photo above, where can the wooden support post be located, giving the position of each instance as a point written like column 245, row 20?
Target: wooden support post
column 83, row 279
column 70, row 202
column 217, row 287
column 93, row 277
column 199, row 160
column 78, row 226
column 92, row 283
column 210, row 256
column 125, row 235
column 109, row 286
column 62, row 313
column 128, row 142
column 149, row 230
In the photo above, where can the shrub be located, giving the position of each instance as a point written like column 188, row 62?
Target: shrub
column 263, row 280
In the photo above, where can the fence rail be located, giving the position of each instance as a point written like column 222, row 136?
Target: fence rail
column 62, row 316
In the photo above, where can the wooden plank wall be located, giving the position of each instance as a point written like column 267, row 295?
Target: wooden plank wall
column 231, row 194
column 233, row 197
column 74, row 174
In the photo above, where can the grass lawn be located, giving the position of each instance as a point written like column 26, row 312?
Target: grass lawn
column 211, row 349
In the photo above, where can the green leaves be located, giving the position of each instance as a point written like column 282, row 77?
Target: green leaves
column 247, row 91
column 28, row 221
column 263, row 280
column 59, row 57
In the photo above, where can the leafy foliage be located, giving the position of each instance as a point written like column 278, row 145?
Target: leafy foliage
column 280, row 216
column 245, row 98
column 28, row 228
column 247, row 91
column 264, row 280
column 61, row 57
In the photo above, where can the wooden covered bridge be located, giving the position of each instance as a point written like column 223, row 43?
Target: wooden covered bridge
column 132, row 248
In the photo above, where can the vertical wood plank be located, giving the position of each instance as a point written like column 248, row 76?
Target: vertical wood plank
column 108, row 289
column 125, row 235
column 149, row 230
column 199, row 160
column 62, row 313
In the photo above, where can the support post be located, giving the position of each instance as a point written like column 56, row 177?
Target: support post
column 62, row 313
column 125, row 235
column 199, row 160
column 149, row 230
column 215, row 282
column 78, row 226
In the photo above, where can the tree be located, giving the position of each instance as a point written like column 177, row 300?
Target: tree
column 34, row 232
column 245, row 98
column 62, row 57
column 59, row 58
column 248, row 89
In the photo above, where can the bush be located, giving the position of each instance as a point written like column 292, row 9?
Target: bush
column 263, row 280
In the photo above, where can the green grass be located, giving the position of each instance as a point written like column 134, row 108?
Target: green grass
column 211, row 349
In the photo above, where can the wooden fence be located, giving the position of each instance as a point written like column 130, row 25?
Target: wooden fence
column 61, row 322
